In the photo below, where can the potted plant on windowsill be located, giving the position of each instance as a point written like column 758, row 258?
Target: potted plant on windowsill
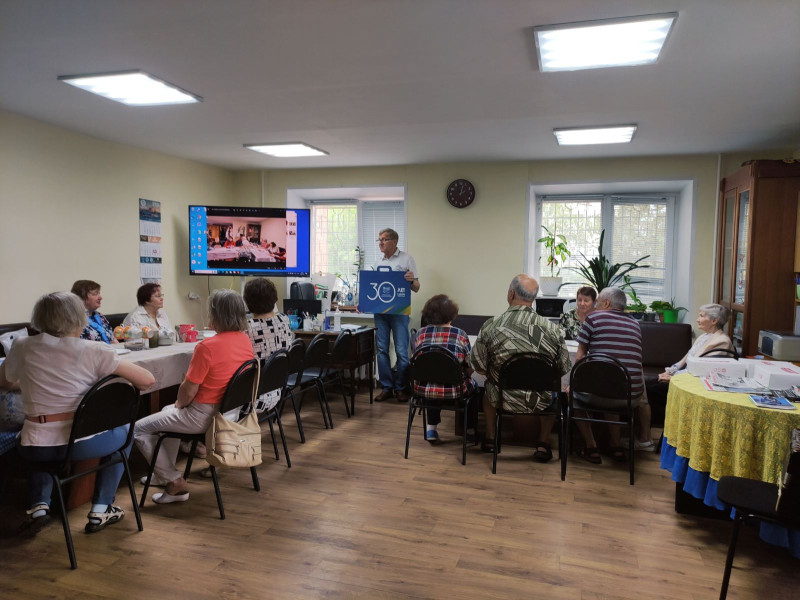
column 636, row 308
column 667, row 311
column 600, row 273
column 556, row 249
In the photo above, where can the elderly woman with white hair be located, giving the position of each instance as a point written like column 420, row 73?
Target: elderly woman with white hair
column 711, row 319
column 54, row 370
column 214, row 362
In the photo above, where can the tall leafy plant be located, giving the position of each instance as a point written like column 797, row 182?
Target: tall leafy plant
column 600, row 273
column 556, row 248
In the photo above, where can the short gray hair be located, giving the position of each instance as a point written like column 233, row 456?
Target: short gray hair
column 615, row 296
column 59, row 314
column 716, row 312
column 391, row 233
column 226, row 311
column 520, row 291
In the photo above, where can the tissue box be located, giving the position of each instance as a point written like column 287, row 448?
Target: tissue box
column 700, row 367
column 777, row 375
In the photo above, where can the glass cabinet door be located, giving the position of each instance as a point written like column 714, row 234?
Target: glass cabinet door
column 741, row 246
column 737, row 319
column 727, row 248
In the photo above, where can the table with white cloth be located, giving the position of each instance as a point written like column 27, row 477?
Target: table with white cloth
column 168, row 364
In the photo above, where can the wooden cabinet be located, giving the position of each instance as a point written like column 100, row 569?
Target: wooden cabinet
column 755, row 276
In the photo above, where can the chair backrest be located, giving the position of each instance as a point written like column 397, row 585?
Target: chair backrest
column 530, row 372
column 342, row 346
column 601, row 375
column 274, row 373
column 301, row 290
column 241, row 387
column 317, row 352
column 109, row 403
column 436, row 365
column 569, row 305
column 721, row 352
column 297, row 354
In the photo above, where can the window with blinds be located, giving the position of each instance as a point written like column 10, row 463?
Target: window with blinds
column 634, row 226
column 339, row 227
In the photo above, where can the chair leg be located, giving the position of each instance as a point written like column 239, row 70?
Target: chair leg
column 150, row 469
column 464, row 432
column 321, row 405
column 737, row 523
column 340, row 376
column 565, row 449
column 272, row 435
column 496, row 442
column 424, row 412
column 283, row 439
column 73, row 562
column 254, row 475
column 326, row 407
column 411, row 410
column 297, row 416
column 630, row 446
column 129, row 479
column 660, row 441
column 217, row 492
column 190, row 459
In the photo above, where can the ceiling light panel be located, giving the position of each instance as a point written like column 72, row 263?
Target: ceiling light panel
column 599, row 44
column 134, row 88
column 287, row 149
column 576, row 136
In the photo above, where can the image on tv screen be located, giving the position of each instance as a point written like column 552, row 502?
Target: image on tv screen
column 229, row 240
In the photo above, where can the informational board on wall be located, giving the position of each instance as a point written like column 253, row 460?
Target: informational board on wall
column 149, row 241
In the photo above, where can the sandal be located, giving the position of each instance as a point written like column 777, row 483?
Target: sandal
column 543, row 452
column 100, row 520
column 487, row 446
column 33, row 525
column 165, row 498
column 591, row 455
column 617, row 453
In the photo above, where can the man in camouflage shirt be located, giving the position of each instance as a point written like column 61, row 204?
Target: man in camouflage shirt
column 519, row 329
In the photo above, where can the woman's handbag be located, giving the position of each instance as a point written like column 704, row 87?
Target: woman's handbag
column 235, row 444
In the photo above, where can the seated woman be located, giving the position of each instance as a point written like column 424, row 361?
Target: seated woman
column 711, row 319
column 150, row 312
column 268, row 330
column 54, row 370
column 97, row 326
column 214, row 362
column 439, row 312
column 571, row 321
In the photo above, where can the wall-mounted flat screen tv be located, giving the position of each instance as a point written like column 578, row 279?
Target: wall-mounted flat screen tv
column 244, row 240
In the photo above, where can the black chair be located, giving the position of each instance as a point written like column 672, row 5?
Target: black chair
column 440, row 367
column 531, row 373
column 751, row 499
column 599, row 382
column 311, row 374
column 240, row 391
column 296, row 354
column 336, row 363
column 274, row 373
column 301, row 290
column 111, row 402
column 721, row 352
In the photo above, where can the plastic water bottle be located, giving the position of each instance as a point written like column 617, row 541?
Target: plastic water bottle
column 337, row 320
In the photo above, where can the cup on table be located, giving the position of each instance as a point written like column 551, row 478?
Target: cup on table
column 307, row 324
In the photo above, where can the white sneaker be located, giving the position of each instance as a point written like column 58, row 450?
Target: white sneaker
column 647, row 446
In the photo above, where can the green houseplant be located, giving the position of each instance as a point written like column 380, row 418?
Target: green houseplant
column 667, row 310
column 557, row 252
column 600, row 273
column 636, row 308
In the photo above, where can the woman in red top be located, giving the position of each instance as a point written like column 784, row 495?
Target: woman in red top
column 214, row 362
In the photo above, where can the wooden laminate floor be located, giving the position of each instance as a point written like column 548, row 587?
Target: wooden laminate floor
column 353, row 519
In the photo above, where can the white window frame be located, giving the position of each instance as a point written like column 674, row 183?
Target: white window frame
column 607, row 222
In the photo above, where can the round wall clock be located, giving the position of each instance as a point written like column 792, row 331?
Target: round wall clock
column 460, row 193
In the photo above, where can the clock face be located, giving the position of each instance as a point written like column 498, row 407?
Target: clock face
column 460, row 193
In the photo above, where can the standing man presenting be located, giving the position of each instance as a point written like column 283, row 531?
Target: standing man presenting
column 394, row 325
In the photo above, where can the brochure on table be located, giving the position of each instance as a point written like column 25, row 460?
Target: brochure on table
column 384, row 292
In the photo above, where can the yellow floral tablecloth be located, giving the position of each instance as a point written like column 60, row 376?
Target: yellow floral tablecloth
column 726, row 434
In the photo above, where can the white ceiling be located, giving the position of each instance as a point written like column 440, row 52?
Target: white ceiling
column 377, row 82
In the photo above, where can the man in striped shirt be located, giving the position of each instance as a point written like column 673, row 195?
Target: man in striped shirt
column 609, row 330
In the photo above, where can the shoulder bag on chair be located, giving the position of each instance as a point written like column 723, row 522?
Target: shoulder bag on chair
column 235, row 444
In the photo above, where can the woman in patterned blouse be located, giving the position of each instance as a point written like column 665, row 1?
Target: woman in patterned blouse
column 572, row 321
column 439, row 312
column 268, row 330
column 98, row 328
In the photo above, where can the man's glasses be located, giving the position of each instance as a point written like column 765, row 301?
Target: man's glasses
column 384, row 240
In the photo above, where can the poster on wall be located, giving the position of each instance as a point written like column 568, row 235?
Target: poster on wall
column 149, row 241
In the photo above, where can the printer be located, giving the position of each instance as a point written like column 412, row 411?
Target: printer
column 780, row 345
